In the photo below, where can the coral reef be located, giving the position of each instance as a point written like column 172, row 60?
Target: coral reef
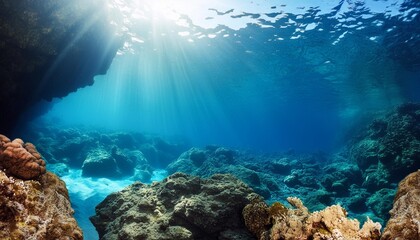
column 20, row 159
column 356, row 178
column 278, row 222
column 179, row 207
column 405, row 214
column 39, row 209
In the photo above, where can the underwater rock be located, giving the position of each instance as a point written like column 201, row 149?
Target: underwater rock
column 279, row 222
column 319, row 182
column 116, row 163
column 390, row 148
column 281, row 166
column 381, row 202
column 49, row 49
column 339, row 176
column 20, row 159
column 215, row 160
column 36, row 209
column 357, row 199
column 99, row 163
column 70, row 148
column 160, row 153
column 103, row 154
column 405, row 214
column 303, row 177
column 179, row 207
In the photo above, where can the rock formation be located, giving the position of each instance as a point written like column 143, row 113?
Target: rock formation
column 104, row 154
column 279, row 222
column 405, row 215
column 180, row 207
column 20, row 159
column 49, row 49
column 390, row 148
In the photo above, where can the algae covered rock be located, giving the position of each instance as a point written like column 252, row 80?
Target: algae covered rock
column 219, row 160
column 405, row 215
column 179, row 207
column 36, row 209
column 390, row 148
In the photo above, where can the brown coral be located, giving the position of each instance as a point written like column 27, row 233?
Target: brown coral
column 39, row 210
column 405, row 215
column 20, row 159
column 298, row 223
column 257, row 217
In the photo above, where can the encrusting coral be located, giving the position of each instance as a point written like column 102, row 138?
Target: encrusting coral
column 20, row 159
column 34, row 204
column 279, row 222
column 38, row 210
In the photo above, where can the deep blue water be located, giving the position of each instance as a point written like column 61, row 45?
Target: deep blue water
column 258, row 75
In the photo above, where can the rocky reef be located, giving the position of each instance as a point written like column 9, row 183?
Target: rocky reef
column 362, row 177
column 389, row 149
column 180, row 207
column 187, row 207
column 49, row 49
column 405, row 215
column 354, row 183
column 103, row 154
column 34, row 204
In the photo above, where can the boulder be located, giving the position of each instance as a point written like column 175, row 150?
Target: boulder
column 179, row 207
column 100, row 163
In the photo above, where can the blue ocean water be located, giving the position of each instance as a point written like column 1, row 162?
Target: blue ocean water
column 282, row 76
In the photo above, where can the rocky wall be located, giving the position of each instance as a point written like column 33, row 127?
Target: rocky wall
column 49, row 49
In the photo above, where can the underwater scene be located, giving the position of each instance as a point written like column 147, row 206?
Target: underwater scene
column 176, row 119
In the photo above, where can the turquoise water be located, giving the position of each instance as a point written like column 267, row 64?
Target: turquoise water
column 256, row 75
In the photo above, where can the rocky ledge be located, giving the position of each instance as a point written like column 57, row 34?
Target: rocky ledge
column 49, row 49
